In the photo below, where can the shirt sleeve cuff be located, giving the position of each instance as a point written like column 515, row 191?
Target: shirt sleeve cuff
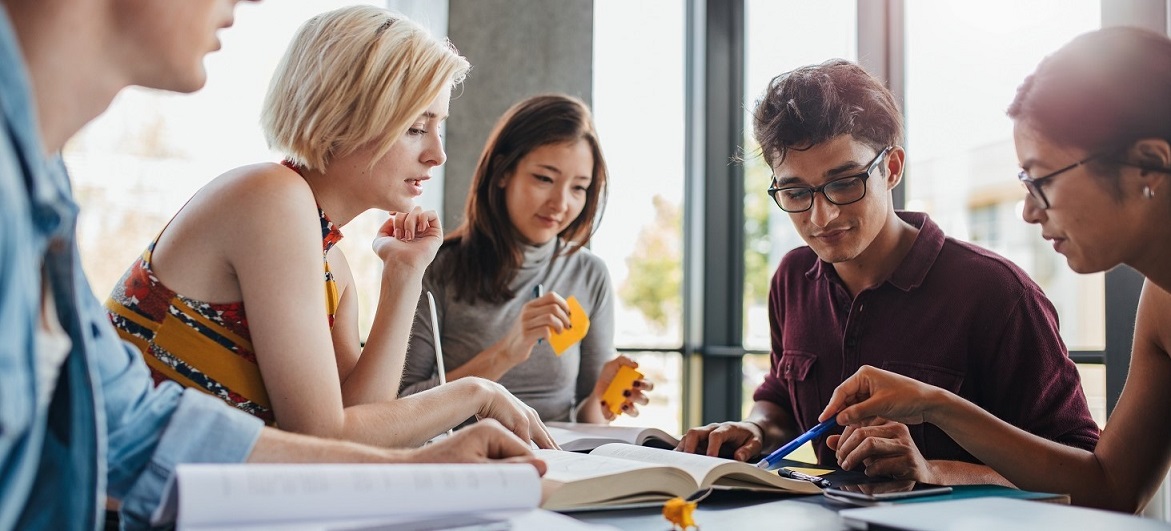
column 203, row 429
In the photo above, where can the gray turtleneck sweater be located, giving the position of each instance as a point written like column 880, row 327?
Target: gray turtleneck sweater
column 550, row 384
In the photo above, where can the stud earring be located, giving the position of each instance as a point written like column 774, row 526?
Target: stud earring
column 1148, row 193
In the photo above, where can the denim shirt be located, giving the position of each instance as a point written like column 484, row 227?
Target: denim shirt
column 107, row 430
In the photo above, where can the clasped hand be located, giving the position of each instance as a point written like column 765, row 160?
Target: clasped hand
column 409, row 239
column 884, row 448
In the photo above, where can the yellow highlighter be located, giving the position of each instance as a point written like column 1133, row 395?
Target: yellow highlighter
column 579, row 325
column 615, row 394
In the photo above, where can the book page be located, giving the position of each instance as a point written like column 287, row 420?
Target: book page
column 567, row 467
column 698, row 466
column 575, row 481
column 219, row 495
column 707, row 471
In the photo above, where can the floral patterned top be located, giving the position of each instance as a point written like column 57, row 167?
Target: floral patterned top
column 205, row 346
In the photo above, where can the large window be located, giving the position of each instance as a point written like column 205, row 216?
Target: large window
column 779, row 36
column 638, row 107
column 960, row 77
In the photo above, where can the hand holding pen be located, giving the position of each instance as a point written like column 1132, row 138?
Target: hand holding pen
column 538, row 320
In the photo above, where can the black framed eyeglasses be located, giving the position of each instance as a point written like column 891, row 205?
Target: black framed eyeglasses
column 1034, row 184
column 843, row 191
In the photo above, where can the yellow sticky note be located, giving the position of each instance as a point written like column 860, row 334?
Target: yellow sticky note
column 579, row 325
column 623, row 380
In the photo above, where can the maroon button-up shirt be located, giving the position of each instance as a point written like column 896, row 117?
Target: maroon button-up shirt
column 952, row 315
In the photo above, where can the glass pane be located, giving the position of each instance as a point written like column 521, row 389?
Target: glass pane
column 813, row 33
column 666, row 401
column 137, row 165
column 639, row 44
column 964, row 63
column 638, row 107
column 1094, row 384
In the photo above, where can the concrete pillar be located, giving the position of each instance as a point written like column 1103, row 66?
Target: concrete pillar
column 517, row 48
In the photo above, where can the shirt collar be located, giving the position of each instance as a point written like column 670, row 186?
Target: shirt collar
column 914, row 267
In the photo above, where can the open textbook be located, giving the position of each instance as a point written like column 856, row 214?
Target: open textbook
column 616, row 475
column 579, row 437
column 358, row 497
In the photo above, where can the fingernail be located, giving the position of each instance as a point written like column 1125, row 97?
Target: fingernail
column 625, row 407
column 626, row 393
column 604, row 403
column 637, row 383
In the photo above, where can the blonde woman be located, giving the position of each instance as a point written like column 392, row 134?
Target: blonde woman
column 355, row 106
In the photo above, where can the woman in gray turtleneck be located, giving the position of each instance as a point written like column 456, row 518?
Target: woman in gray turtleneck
column 538, row 190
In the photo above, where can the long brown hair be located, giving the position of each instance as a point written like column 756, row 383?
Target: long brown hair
column 486, row 248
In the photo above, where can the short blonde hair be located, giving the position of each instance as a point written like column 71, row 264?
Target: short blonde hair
column 354, row 76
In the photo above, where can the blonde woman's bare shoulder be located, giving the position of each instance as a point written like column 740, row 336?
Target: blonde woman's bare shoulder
column 261, row 185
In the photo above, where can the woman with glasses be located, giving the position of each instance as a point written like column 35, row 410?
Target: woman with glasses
column 502, row 278
column 356, row 107
column 1093, row 135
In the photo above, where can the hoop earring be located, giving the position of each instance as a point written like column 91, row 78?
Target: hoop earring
column 1148, row 193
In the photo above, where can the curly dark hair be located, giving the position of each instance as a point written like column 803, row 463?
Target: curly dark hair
column 813, row 104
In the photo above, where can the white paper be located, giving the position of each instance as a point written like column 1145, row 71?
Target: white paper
column 268, row 494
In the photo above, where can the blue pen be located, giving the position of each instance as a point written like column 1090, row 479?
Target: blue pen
column 768, row 462
column 538, row 290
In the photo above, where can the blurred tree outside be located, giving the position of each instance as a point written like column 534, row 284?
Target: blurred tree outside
column 757, row 244
column 654, row 284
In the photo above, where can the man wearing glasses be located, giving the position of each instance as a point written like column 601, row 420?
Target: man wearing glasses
column 887, row 288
